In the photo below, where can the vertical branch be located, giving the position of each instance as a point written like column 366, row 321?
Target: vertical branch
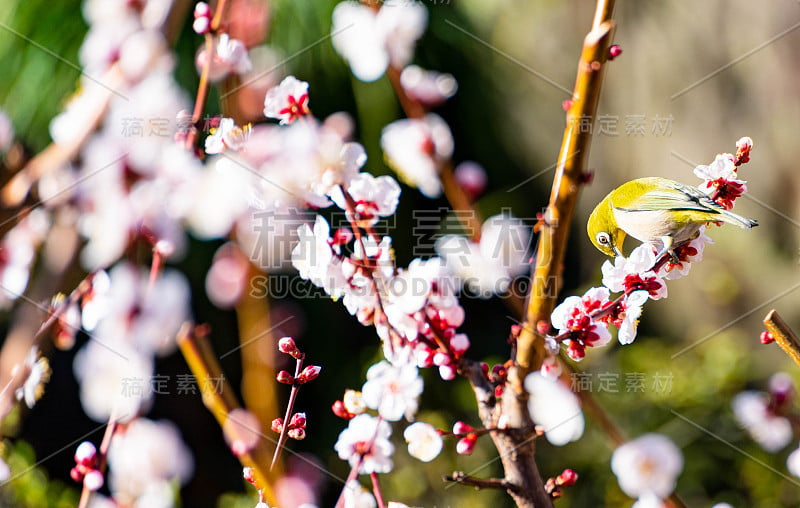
column 570, row 174
column 220, row 402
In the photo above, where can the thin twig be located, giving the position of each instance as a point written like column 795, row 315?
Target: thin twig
column 783, row 335
column 289, row 409
column 480, row 483
column 102, row 455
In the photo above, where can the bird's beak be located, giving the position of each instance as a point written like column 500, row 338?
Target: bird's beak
column 616, row 251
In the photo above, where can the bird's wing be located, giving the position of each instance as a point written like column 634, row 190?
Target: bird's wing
column 673, row 196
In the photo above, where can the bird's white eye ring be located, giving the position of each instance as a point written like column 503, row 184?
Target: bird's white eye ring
column 603, row 238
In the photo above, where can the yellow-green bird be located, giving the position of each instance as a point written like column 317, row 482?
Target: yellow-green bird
column 655, row 210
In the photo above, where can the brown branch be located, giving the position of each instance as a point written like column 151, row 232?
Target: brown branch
column 783, row 335
column 480, row 483
column 570, row 175
column 221, row 402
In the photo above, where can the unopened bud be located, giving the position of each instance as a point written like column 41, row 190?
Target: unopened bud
column 277, row 425
column 466, row 445
column 766, row 337
column 285, row 377
column 461, row 429
column 340, row 411
column 566, row 478
column 309, row 374
column 249, row 475
column 298, row 434
column 298, row 421
column 288, row 346
column 93, row 480
column 85, row 454
column 614, row 51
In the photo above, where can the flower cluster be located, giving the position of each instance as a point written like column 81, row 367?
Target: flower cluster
column 86, row 467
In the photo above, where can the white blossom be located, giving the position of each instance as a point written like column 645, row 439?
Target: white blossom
column 647, row 466
column 752, row 411
column 370, row 41
column 287, row 101
column 416, row 148
column 393, row 390
column 356, row 496
column 145, row 460
column 366, row 441
column 227, row 136
column 635, row 272
column 424, row 441
column 373, row 197
column 553, row 406
column 37, row 369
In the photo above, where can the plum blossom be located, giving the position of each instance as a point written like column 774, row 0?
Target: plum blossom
column 227, row 136
column 356, row 496
column 487, row 267
column 229, row 57
column 754, row 412
column 288, row 101
column 647, row 467
column 373, row 197
column 635, row 273
column 626, row 316
column 720, row 180
column 553, row 406
column 315, row 260
column 424, row 441
column 393, row 390
column 37, row 372
column 372, row 40
column 573, row 317
column 416, row 148
column 365, row 442
column 17, row 252
column 686, row 254
column 146, row 462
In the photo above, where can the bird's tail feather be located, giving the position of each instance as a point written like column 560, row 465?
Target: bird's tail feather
column 738, row 220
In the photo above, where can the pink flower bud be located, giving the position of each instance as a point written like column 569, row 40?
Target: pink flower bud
column 249, row 475
column 614, row 51
column 285, row 377
column 459, row 343
column 766, row 337
column 441, row 358
column 566, row 478
column 288, row 346
column 466, row 445
column 340, row 411
column 85, row 454
column 461, row 429
column 277, row 425
column 298, row 434
column 309, row 374
column 472, row 178
column 76, row 474
column 93, row 480
column 743, row 147
column 447, row 372
column 298, row 421
column 202, row 10
column 201, row 25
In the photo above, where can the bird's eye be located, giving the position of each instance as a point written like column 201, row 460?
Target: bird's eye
column 603, row 238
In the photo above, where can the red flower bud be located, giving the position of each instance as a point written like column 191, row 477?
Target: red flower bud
column 340, row 411
column 298, row 421
column 288, row 346
column 277, row 425
column 298, row 434
column 460, row 428
column 766, row 337
column 285, row 377
column 614, row 51
column 567, row 477
column 309, row 374
column 466, row 445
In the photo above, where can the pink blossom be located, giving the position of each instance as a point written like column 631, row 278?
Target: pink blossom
column 720, row 180
column 373, row 197
column 429, row 87
column 227, row 136
column 647, row 466
column 687, row 253
column 573, row 317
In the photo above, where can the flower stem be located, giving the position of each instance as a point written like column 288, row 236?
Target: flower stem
column 289, row 409
column 102, row 455
column 376, row 489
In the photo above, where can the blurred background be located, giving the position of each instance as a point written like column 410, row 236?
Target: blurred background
column 693, row 78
